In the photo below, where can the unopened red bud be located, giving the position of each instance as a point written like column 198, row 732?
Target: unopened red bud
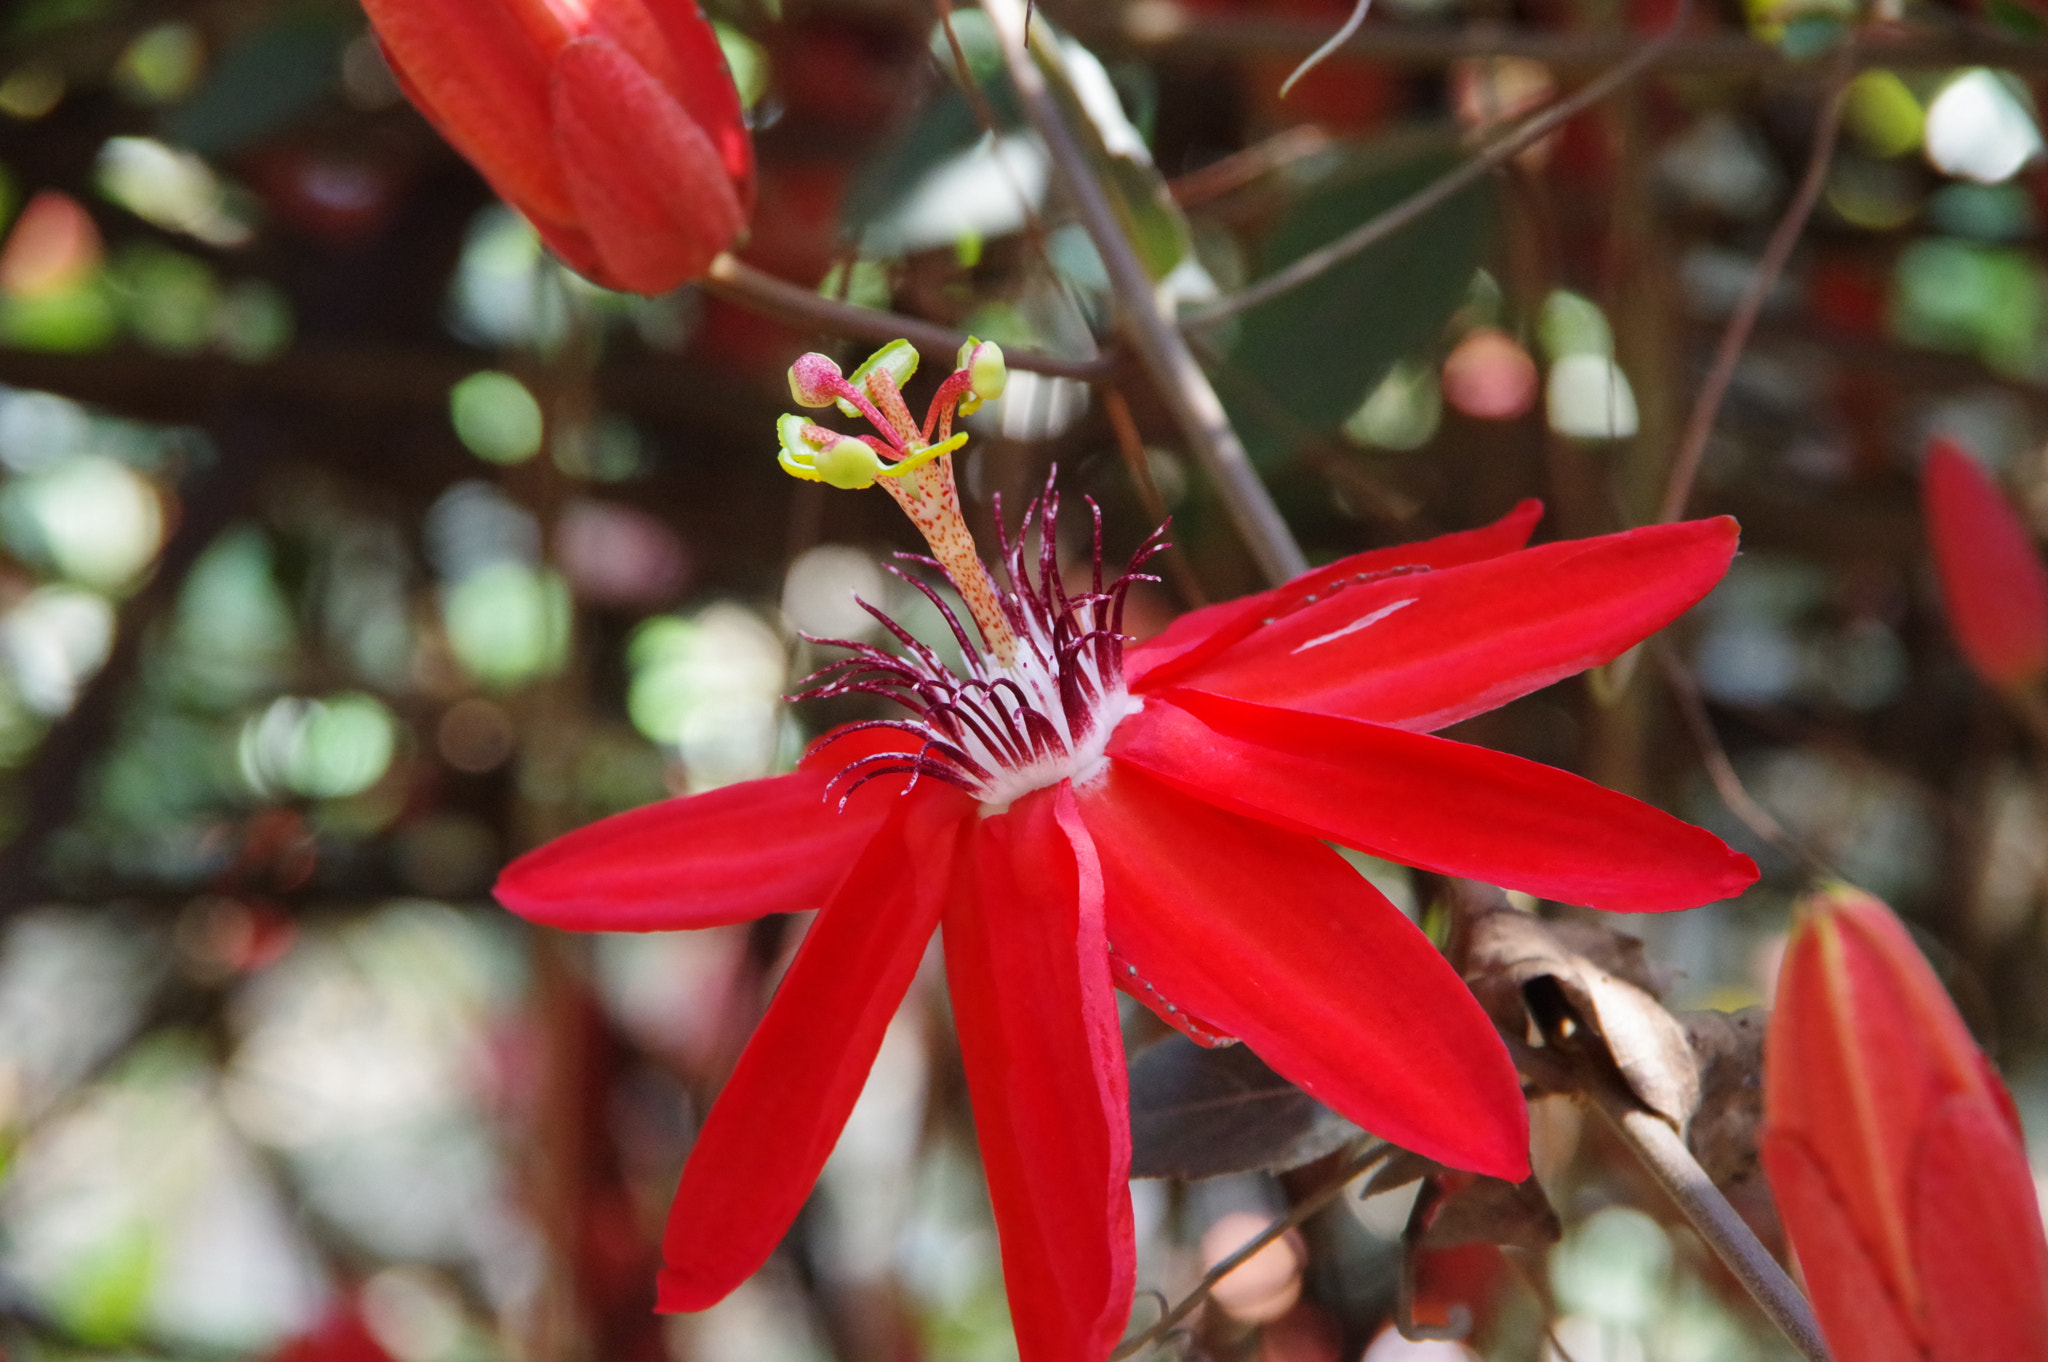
column 614, row 128
column 1895, row 1153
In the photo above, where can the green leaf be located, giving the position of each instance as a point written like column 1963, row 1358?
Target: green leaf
column 2017, row 18
column 1306, row 360
column 263, row 82
column 889, row 204
column 945, row 129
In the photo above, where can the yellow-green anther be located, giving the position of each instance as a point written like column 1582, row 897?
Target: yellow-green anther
column 923, row 457
column 790, row 434
column 816, row 454
column 899, row 357
column 849, row 463
column 986, row 373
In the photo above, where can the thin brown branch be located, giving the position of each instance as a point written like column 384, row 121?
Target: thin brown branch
column 1165, row 30
column 1442, row 190
column 1334, row 43
column 1543, row 1302
column 1132, row 446
column 1294, row 1218
column 1158, row 344
column 1692, row 444
column 747, row 287
column 984, row 112
column 1242, row 168
column 1692, row 708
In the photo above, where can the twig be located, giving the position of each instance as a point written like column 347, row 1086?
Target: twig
column 1161, row 347
column 1240, row 168
column 1299, row 1213
column 1379, row 228
column 1132, row 447
column 1164, row 30
column 1543, row 1302
column 1337, row 40
column 984, row 112
column 748, row 287
column 1692, row 445
column 1652, row 1140
column 1685, row 692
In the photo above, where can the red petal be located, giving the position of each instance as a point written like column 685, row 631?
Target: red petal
column 1977, row 1237
column 1200, row 634
column 574, row 248
column 1427, row 649
column 1429, row 802
column 691, row 66
column 1027, row 966
column 728, row 855
column 1859, row 1311
column 649, row 188
column 477, row 76
column 1992, row 581
column 781, row 1111
column 1270, row 935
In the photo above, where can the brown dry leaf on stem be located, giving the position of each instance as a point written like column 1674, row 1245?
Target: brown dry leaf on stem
column 1521, row 967
column 1728, row 1048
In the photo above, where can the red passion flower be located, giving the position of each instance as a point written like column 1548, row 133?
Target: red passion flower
column 613, row 125
column 1082, row 815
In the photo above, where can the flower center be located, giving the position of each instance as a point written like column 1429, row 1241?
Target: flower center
column 1042, row 690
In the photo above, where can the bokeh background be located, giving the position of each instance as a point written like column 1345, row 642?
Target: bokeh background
column 348, row 546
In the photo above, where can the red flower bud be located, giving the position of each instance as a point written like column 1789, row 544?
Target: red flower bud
column 613, row 125
column 1895, row 1152
column 1992, row 580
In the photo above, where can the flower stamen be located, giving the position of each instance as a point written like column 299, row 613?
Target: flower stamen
column 1002, row 726
column 917, row 473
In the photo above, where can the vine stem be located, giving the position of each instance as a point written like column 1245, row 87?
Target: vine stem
column 1377, row 229
column 1692, row 445
column 1735, row 796
column 1294, row 1218
column 740, row 283
column 1158, row 342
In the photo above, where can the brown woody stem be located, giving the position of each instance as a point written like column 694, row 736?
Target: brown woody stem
column 1158, row 342
column 743, row 285
column 1660, row 1150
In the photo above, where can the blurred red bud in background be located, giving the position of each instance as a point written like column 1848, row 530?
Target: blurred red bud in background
column 1992, row 580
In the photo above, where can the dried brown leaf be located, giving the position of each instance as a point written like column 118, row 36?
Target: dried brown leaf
column 1729, row 1049
column 1518, row 964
